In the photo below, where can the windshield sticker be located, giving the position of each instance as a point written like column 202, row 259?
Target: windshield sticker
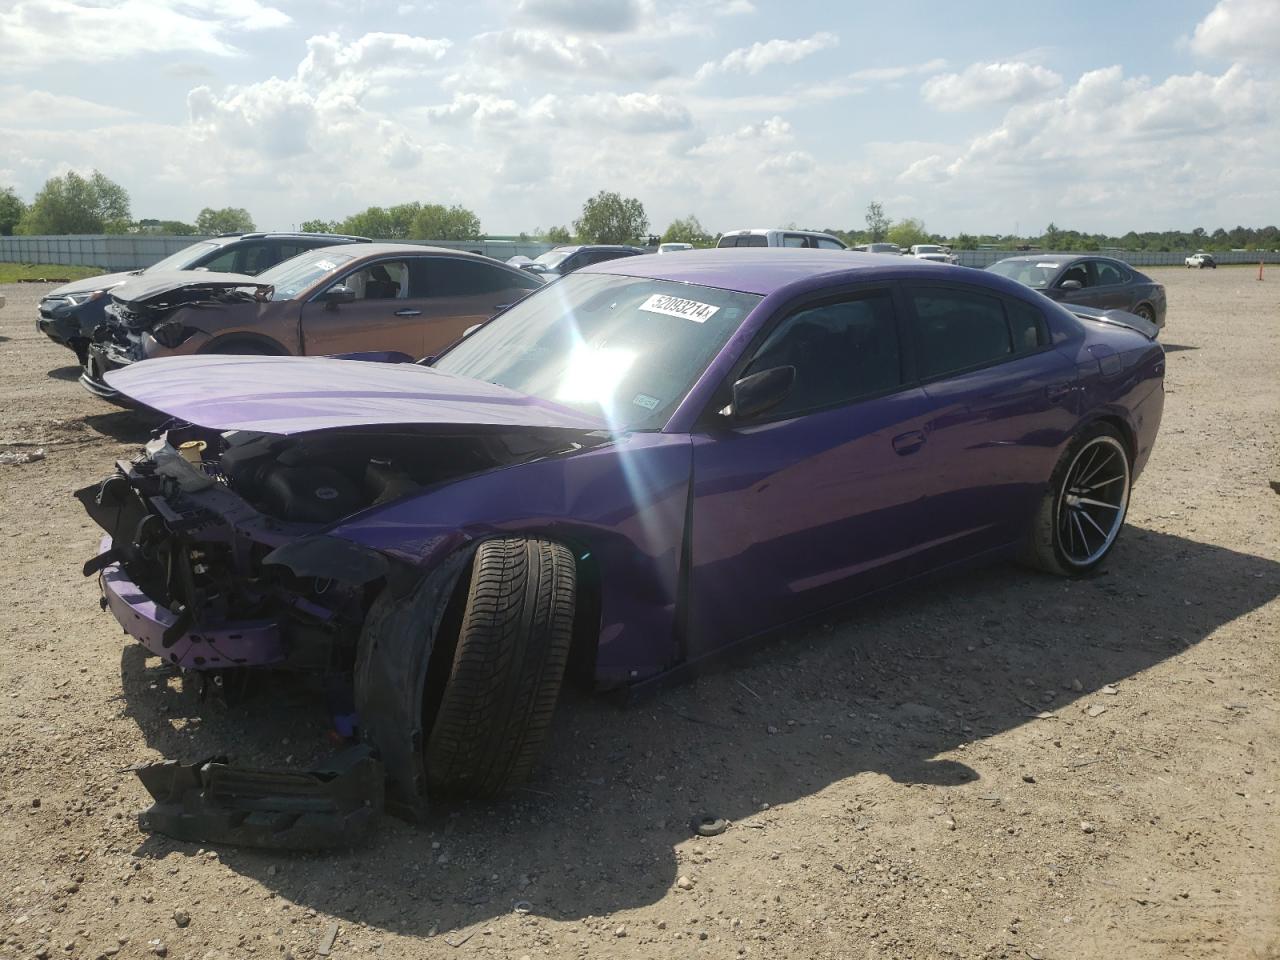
column 325, row 265
column 646, row 401
column 1046, row 266
column 679, row 307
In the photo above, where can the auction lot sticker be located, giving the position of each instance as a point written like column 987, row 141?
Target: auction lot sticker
column 679, row 307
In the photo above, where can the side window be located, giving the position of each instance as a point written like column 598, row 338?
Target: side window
column 224, row 262
column 457, row 277
column 1108, row 273
column 727, row 242
column 1027, row 324
column 956, row 330
column 753, row 240
column 825, row 244
column 256, row 257
column 1076, row 272
column 285, row 250
column 384, row 280
column 841, row 352
column 793, row 240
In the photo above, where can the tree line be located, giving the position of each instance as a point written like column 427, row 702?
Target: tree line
column 71, row 204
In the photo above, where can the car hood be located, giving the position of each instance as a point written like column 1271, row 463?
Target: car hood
column 103, row 281
column 292, row 395
column 149, row 286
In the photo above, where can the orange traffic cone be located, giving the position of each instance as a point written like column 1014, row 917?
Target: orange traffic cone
column 1260, row 263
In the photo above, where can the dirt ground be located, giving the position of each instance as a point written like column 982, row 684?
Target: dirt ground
column 997, row 765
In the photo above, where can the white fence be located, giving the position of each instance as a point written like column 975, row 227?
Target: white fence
column 132, row 251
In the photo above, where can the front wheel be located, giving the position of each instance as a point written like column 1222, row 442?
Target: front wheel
column 1084, row 508
column 512, row 646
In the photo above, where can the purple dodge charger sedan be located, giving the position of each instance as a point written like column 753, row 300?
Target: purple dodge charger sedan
column 634, row 468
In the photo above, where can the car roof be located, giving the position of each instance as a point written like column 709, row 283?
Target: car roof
column 338, row 239
column 367, row 250
column 575, row 247
column 765, row 270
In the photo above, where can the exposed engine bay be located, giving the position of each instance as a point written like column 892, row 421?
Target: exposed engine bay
column 225, row 530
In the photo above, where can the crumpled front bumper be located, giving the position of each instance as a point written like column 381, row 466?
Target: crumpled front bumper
column 248, row 643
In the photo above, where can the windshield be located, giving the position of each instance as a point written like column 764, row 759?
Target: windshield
column 1029, row 273
column 928, row 248
column 184, row 257
column 295, row 275
column 553, row 258
column 623, row 348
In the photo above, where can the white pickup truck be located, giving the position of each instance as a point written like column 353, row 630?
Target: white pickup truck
column 1200, row 261
column 932, row 251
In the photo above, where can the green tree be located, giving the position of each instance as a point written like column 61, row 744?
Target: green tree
column 558, row 235
column 11, row 210
column 383, row 223
column 908, row 232
column 438, row 222
column 687, row 230
column 319, row 226
column 1051, row 238
column 610, row 218
column 172, row 228
column 877, row 222
column 227, row 220
column 75, row 204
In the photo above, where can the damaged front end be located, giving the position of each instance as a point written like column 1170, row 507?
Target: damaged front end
column 217, row 559
column 139, row 312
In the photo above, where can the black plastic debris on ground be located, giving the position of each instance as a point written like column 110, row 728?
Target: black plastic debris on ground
column 215, row 802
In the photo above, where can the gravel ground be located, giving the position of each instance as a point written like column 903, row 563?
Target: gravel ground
column 997, row 765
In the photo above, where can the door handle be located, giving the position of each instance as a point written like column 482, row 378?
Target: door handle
column 408, row 312
column 1056, row 392
column 910, row 442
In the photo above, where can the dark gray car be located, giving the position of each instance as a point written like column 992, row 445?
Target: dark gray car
column 565, row 260
column 69, row 314
column 1087, row 280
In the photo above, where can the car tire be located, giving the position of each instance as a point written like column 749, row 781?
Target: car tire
column 1072, row 534
column 513, row 643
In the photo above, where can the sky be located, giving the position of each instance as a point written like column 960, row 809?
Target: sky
column 987, row 117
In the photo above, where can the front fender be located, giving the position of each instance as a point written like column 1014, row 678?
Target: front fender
column 623, row 504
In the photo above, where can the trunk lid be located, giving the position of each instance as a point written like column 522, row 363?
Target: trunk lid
column 293, row 395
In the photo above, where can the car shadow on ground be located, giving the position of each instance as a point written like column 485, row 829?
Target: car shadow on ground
column 884, row 689
column 70, row 373
column 126, row 426
column 1177, row 347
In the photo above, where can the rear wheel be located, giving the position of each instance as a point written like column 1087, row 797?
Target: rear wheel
column 1084, row 508
column 513, row 642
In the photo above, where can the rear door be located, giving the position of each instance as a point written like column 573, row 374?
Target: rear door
column 459, row 292
column 1002, row 403
column 1110, row 285
column 386, row 314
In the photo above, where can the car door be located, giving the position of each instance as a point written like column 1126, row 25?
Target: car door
column 1079, row 272
column 820, row 498
column 1109, row 283
column 386, row 313
column 461, row 292
column 1002, row 403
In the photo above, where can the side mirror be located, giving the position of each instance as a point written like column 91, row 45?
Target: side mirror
column 337, row 294
column 762, row 391
column 1070, row 285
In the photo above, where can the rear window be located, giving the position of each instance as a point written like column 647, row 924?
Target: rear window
column 958, row 330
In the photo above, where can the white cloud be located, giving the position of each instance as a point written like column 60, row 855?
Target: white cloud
column 1240, row 30
column 629, row 113
column 26, row 107
column 35, row 33
column 767, row 134
column 758, row 56
column 889, row 74
column 375, row 56
column 792, row 163
column 989, row 84
column 589, row 16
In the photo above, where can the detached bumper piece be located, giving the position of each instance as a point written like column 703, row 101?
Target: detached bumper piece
column 214, row 802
